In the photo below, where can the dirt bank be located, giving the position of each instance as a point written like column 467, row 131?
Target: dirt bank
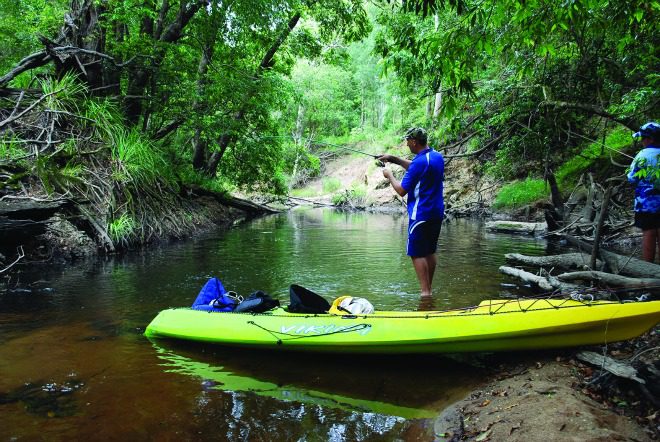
column 38, row 231
column 466, row 192
column 552, row 396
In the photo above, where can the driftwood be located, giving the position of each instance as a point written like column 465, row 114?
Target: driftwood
column 516, row 227
column 539, row 281
column 545, row 282
column 611, row 280
column 564, row 261
column 247, row 206
column 619, row 264
column 615, row 367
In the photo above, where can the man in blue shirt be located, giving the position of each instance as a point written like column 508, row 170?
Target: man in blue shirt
column 645, row 174
column 423, row 183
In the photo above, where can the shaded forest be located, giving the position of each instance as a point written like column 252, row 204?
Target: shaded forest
column 123, row 108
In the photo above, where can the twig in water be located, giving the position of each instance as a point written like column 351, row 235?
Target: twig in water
column 21, row 255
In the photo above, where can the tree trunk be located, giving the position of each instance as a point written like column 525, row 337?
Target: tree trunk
column 437, row 105
column 297, row 138
column 531, row 278
column 141, row 77
column 200, row 146
column 229, row 136
column 81, row 30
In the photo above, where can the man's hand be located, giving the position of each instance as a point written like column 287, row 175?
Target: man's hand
column 396, row 185
column 386, row 158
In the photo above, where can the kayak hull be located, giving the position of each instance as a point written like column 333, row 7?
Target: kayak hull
column 495, row 325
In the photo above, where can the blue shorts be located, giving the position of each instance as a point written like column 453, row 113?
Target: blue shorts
column 423, row 237
column 647, row 220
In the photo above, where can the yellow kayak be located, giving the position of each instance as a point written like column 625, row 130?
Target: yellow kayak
column 493, row 325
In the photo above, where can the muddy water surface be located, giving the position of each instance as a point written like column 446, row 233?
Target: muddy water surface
column 74, row 364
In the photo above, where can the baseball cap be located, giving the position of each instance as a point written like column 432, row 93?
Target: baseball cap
column 649, row 130
column 416, row 133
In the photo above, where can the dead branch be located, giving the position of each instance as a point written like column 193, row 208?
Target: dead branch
column 32, row 61
column 615, row 367
column 624, row 265
column 599, row 226
column 611, row 279
column 595, row 110
column 536, row 280
column 488, row 145
column 28, row 109
column 564, row 261
column 21, row 255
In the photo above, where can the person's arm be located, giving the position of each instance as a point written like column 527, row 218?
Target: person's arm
column 387, row 158
column 396, row 185
column 634, row 168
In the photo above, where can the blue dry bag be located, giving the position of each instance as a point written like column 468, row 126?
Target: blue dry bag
column 213, row 297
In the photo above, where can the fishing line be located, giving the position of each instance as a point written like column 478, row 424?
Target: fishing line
column 347, row 148
column 322, row 143
column 582, row 136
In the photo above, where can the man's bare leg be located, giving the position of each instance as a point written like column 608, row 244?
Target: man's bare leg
column 422, row 269
column 432, row 261
column 649, row 240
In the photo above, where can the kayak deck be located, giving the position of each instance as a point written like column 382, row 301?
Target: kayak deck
column 493, row 325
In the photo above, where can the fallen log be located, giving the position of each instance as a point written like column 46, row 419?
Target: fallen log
column 250, row 207
column 611, row 279
column 531, row 278
column 615, row 367
column 516, row 227
column 564, row 261
column 619, row 264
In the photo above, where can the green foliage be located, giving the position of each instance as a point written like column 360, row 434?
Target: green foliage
column 331, row 184
column 521, row 193
column 55, row 178
column 102, row 116
column 136, row 160
column 594, row 153
column 63, row 93
column 531, row 72
column 122, row 228
column 354, row 197
column 11, row 149
column 21, row 23
column 191, row 178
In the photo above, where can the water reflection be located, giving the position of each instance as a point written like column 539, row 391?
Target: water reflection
column 284, row 380
column 82, row 326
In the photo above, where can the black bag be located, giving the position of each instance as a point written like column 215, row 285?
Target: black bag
column 306, row 301
column 257, row 302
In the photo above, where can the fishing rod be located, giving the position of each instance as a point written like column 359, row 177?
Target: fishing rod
column 347, row 148
column 328, row 144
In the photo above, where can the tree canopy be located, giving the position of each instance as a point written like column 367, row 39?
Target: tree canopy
column 236, row 94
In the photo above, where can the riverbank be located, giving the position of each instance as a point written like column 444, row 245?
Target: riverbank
column 59, row 232
column 552, row 395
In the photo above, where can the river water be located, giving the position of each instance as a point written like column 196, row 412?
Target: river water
column 74, row 364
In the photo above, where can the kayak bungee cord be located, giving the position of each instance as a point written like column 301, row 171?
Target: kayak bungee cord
column 273, row 333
